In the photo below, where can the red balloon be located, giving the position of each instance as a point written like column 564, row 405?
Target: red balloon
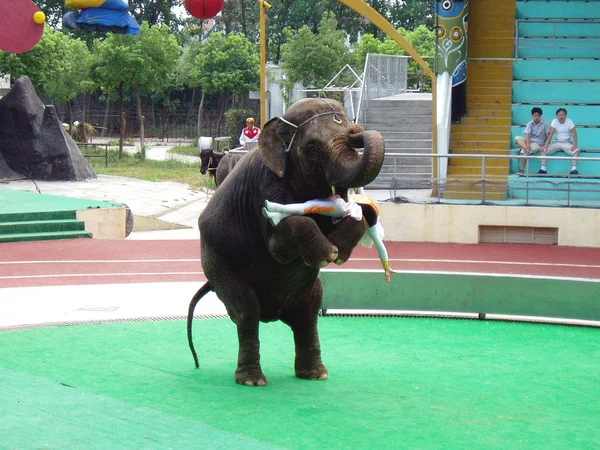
column 204, row 9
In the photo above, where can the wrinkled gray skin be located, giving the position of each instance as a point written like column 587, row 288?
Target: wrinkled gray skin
column 226, row 166
column 265, row 273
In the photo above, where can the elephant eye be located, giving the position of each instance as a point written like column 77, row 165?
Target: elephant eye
column 312, row 152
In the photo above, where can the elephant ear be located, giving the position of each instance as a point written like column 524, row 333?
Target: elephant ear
column 272, row 144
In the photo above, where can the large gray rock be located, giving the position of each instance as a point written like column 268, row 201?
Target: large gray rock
column 33, row 141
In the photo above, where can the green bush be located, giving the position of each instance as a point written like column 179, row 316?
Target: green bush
column 235, row 120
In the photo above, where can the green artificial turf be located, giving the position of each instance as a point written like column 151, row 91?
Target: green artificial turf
column 394, row 383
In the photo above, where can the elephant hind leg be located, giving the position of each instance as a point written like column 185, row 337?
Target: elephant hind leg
column 243, row 307
column 303, row 322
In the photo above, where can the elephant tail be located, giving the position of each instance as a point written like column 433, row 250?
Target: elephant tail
column 206, row 288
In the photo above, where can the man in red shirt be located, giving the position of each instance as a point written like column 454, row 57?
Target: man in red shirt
column 250, row 133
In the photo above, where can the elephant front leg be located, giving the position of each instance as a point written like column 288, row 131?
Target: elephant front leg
column 300, row 236
column 303, row 321
column 346, row 236
column 248, row 370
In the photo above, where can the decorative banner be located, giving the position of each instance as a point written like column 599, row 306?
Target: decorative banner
column 451, row 45
column 21, row 25
column 204, row 9
column 451, row 38
column 101, row 15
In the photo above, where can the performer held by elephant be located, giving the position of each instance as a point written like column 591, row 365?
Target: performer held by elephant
column 359, row 206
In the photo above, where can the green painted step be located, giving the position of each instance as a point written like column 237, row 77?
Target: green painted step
column 48, row 236
column 564, row 92
column 556, row 9
column 37, row 215
column 557, row 69
column 40, row 226
column 580, row 114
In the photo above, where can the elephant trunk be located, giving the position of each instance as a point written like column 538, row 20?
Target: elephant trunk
column 349, row 169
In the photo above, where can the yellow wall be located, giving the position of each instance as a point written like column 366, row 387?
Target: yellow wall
column 460, row 223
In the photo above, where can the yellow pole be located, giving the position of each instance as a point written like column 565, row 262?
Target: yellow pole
column 380, row 22
column 263, row 61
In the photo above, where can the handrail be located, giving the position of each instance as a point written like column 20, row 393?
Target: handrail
column 487, row 180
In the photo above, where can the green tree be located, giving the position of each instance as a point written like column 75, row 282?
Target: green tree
column 421, row 39
column 313, row 59
column 241, row 16
column 41, row 63
column 367, row 44
column 141, row 65
column 157, row 12
column 409, row 14
column 73, row 77
column 187, row 74
column 227, row 65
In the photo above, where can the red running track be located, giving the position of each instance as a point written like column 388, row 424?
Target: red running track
column 87, row 261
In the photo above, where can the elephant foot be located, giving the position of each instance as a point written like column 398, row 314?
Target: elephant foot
column 319, row 372
column 320, row 262
column 250, row 377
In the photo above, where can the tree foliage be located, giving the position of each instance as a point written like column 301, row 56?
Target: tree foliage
column 227, row 63
column 58, row 66
column 314, row 58
column 145, row 62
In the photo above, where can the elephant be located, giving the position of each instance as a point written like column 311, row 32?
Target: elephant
column 209, row 162
column 226, row 165
column 265, row 273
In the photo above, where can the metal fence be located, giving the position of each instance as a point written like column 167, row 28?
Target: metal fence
column 384, row 75
column 527, row 190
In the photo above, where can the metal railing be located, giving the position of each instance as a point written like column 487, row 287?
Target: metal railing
column 486, row 186
column 383, row 76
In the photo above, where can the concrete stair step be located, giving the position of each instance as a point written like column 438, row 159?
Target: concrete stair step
column 450, row 194
column 47, row 236
column 490, row 171
column 459, row 161
column 491, row 50
column 460, row 136
column 490, row 84
column 485, row 112
column 376, row 113
column 407, row 135
column 499, row 102
column 485, row 68
column 416, row 151
column 485, row 90
column 398, row 104
column 385, row 128
column 473, row 119
column 479, row 128
column 408, row 144
column 489, row 62
column 400, row 161
column 405, row 169
column 478, row 144
column 477, row 151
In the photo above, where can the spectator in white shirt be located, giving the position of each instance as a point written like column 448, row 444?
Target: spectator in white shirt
column 566, row 140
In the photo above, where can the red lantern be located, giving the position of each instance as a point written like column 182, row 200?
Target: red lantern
column 204, row 9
